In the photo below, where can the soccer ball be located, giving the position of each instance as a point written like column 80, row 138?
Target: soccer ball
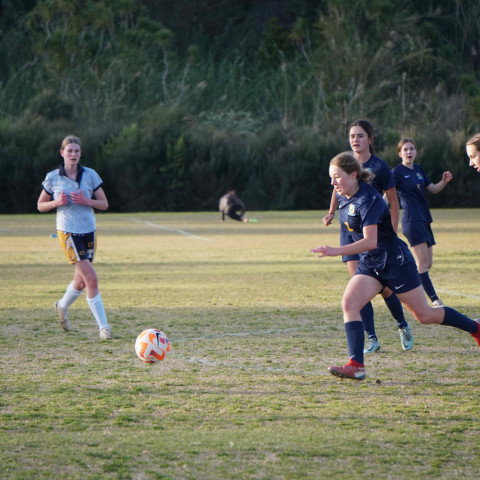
column 152, row 345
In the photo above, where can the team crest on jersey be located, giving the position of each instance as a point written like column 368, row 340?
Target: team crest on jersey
column 419, row 176
column 352, row 210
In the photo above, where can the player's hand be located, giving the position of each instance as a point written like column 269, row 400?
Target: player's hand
column 62, row 199
column 328, row 219
column 447, row 176
column 79, row 197
column 325, row 251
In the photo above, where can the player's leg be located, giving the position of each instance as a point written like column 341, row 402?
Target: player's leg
column 359, row 291
column 396, row 309
column 367, row 316
column 416, row 303
column 85, row 270
column 75, row 288
column 424, row 258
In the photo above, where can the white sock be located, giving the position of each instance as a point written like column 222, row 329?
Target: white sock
column 70, row 295
column 96, row 306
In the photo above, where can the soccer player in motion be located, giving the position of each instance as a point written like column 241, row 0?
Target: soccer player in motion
column 387, row 261
column 473, row 151
column 361, row 142
column 75, row 191
column 411, row 183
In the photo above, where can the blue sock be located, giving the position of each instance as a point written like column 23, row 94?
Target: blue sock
column 367, row 320
column 428, row 286
column 458, row 320
column 396, row 309
column 355, row 340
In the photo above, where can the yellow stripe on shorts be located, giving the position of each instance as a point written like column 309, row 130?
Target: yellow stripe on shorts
column 68, row 247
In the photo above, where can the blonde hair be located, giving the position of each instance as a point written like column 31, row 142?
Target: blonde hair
column 402, row 142
column 349, row 164
column 70, row 139
column 475, row 140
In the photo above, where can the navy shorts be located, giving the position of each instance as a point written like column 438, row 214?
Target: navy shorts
column 399, row 279
column 346, row 238
column 418, row 233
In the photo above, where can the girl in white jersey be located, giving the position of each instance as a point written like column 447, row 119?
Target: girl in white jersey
column 75, row 191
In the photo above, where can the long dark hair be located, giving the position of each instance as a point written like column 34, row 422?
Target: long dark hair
column 367, row 126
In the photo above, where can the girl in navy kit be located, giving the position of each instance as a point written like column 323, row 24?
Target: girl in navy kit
column 411, row 182
column 75, row 191
column 473, row 151
column 361, row 142
column 386, row 262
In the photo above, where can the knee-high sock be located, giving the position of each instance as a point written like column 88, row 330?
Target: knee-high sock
column 355, row 340
column 70, row 295
column 367, row 320
column 396, row 309
column 96, row 306
column 458, row 320
column 428, row 286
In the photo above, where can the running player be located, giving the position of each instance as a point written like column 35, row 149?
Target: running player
column 387, row 261
column 411, row 182
column 75, row 191
column 361, row 142
column 473, row 151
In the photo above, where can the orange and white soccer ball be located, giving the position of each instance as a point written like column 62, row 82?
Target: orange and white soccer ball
column 152, row 346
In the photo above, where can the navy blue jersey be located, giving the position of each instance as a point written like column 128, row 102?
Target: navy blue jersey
column 367, row 207
column 383, row 179
column 411, row 185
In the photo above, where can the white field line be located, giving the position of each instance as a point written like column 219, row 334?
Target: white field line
column 167, row 229
column 474, row 297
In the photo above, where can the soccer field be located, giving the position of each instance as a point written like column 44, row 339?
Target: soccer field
column 254, row 321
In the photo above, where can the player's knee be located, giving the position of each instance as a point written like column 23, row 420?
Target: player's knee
column 349, row 304
column 424, row 317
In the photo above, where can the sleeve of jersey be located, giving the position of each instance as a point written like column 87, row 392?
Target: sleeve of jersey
column 372, row 212
column 387, row 178
column 97, row 182
column 47, row 184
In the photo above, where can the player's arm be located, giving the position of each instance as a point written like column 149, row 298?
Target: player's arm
column 368, row 242
column 392, row 200
column 438, row 187
column 45, row 202
column 327, row 219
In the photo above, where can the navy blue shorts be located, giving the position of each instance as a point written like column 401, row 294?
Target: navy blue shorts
column 346, row 238
column 399, row 279
column 418, row 233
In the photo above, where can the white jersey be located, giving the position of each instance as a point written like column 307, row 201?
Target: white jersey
column 73, row 217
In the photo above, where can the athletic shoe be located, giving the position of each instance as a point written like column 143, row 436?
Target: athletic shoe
column 373, row 345
column 105, row 333
column 63, row 316
column 476, row 335
column 406, row 338
column 437, row 303
column 353, row 370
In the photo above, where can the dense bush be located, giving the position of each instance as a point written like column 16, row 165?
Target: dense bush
column 176, row 109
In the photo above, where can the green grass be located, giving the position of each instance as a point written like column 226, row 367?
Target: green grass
column 254, row 320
